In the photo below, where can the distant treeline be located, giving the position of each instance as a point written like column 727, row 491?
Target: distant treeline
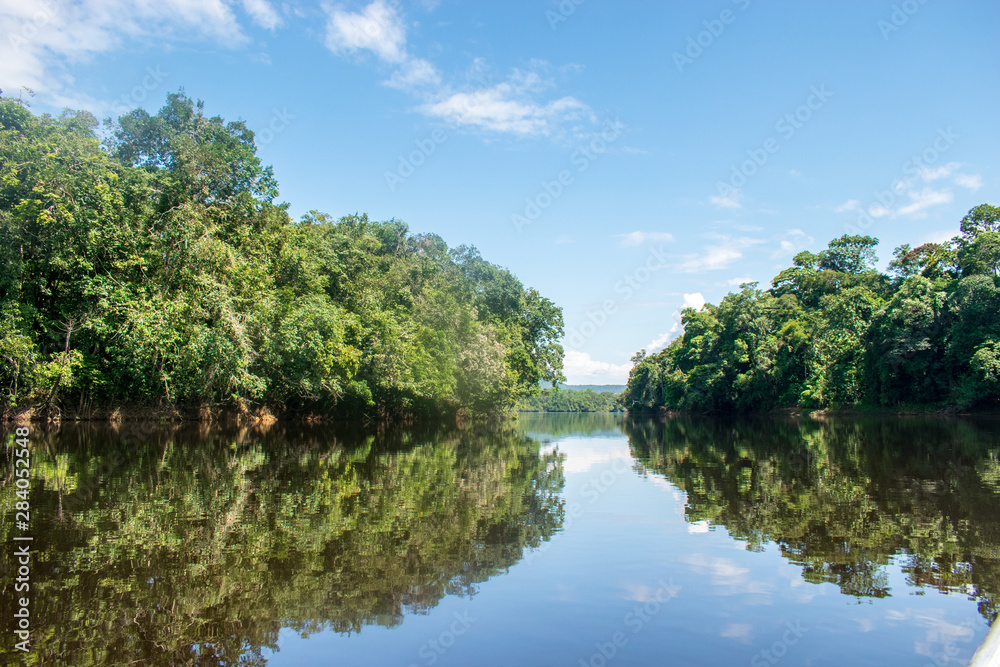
column 154, row 268
column 832, row 332
column 568, row 400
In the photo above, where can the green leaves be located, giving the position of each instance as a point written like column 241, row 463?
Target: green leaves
column 833, row 332
column 181, row 280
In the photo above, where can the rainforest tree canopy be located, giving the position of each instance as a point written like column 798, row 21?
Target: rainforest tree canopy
column 147, row 262
column 833, row 332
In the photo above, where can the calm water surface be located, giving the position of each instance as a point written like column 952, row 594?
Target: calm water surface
column 563, row 540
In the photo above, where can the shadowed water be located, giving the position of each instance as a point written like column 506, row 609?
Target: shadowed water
column 564, row 539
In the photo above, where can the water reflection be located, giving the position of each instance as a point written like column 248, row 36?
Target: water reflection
column 197, row 545
column 844, row 498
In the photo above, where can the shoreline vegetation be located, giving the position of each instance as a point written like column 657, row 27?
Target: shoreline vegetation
column 145, row 266
column 834, row 334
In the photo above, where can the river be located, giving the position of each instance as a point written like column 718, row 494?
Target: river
column 563, row 539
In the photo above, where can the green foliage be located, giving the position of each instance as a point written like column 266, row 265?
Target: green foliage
column 834, row 333
column 568, row 400
column 157, row 268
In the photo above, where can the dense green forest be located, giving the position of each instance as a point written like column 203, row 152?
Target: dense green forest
column 833, row 332
column 147, row 263
column 561, row 399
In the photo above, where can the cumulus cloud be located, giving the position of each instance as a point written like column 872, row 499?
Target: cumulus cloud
column 638, row 238
column 696, row 301
column 579, row 368
column 377, row 28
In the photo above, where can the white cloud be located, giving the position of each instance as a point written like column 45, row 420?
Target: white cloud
column 736, row 282
column 414, row 73
column 718, row 255
column 935, row 173
column 733, row 199
column 262, row 13
column 42, row 38
column 510, row 106
column 661, row 341
column 792, row 242
column 739, row 631
column 696, row 301
column 638, row 238
column 506, row 107
column 920, row 199
column 970, row 181
column 924, row 199
column 377, row 28
column 581, row 369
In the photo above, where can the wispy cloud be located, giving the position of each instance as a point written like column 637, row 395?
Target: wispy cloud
column 928, row 174
column 925, row 199
column 505, row 107
column 791, row 242
column 969, row 181
column 718, row 255
column 732, row 199
column 514, row 105
column 912, row 196
column 638, row 238
column 42, row 38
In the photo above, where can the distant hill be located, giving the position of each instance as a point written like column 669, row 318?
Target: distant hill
column 613, row 388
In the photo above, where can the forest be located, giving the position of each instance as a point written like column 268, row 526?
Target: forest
column 561, row 399
column 833, row 332
column 145, row 262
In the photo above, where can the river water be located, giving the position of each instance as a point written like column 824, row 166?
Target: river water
column 561, row 540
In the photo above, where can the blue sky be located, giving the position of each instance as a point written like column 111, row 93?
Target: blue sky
column 624, row 158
